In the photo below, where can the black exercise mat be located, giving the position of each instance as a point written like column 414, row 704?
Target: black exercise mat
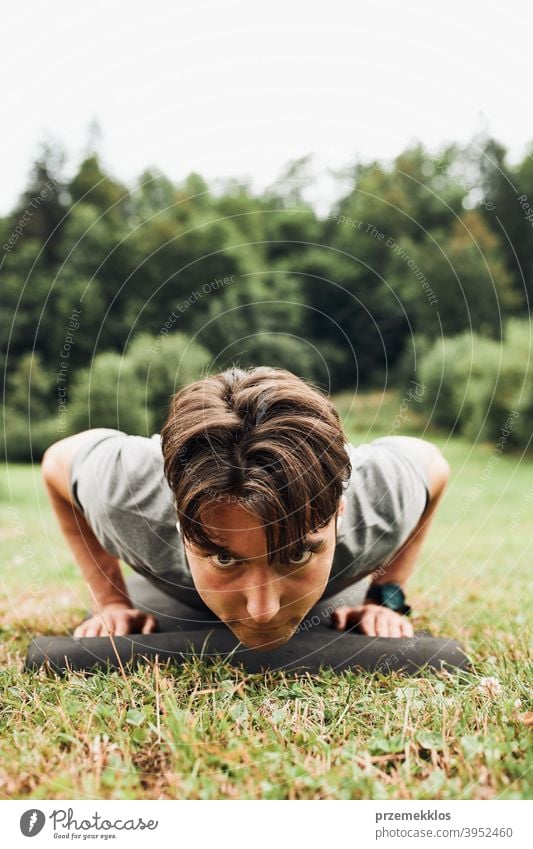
column 305, row 651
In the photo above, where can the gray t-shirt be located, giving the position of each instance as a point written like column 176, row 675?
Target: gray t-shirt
column 117, row 481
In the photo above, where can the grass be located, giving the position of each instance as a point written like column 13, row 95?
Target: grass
column 216, row 732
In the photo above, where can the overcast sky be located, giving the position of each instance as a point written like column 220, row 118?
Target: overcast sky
column 236, row 88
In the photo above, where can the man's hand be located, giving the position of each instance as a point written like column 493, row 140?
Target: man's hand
column 117, row 620
column 372, row 619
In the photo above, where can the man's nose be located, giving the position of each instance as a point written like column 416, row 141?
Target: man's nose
column 262, row 595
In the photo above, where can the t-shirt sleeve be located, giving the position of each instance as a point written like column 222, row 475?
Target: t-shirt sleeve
column 118, row 483
column 385, row 499
column 93, row 475
column 402, row 478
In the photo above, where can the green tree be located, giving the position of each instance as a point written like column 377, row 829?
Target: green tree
column 30, row 424
column 43, row 205
column 31, row 388
column 109, row 394
column 92, row 185
column 508, row 194
column 480, row 387
column 162, row 365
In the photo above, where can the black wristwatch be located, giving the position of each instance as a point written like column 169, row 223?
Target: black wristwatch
column 389, row 595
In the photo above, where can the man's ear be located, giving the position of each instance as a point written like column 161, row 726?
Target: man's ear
column 340, row 511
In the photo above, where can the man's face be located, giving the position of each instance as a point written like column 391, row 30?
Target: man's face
column 262, row 604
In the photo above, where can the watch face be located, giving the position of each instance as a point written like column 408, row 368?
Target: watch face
column 389, row 595
column 392, row 596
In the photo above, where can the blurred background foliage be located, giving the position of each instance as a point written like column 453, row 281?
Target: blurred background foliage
column 421, row 271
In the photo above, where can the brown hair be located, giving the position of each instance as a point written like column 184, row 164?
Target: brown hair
column 261, row 436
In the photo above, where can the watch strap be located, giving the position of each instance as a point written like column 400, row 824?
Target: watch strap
column 389, row 595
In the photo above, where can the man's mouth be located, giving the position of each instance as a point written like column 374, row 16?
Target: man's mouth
column 264, row 630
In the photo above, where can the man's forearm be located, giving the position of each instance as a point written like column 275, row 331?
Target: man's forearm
column 100, row 569
column 401, row 566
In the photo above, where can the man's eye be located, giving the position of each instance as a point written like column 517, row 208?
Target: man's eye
column 223, row 560
column 302, row 558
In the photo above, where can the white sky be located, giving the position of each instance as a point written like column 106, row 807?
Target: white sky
column 234, row 88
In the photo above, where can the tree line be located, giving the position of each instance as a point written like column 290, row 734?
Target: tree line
column 112, row 296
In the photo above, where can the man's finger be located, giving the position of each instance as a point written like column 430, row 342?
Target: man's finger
column 394, row 625
column 407, row 629
column 382, row 622
column 339, row 617
column 395, row 629
column 368, row 624
column 92, row 628
column 149, row 626
column 356, row 615
column 121, row 626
